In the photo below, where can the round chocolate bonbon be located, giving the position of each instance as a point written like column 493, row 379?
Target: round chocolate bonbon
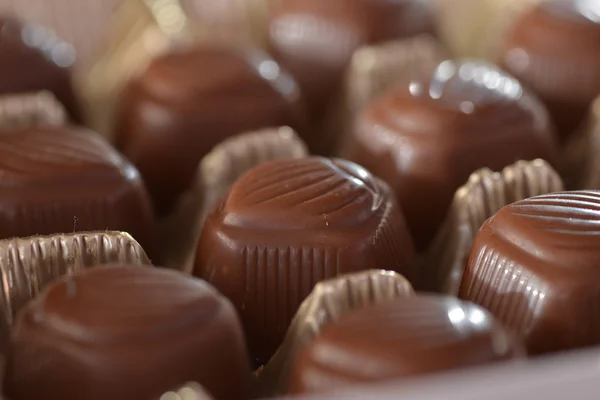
column 426, row 136
column 288, row 224
column 187, row 102
column 124, row 332
column 534, row 265
column 555, row 51
column 400, row 339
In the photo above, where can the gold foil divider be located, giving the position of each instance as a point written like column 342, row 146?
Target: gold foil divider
column 476, row 28
column 480, row 198
column 581, row 168
column 19, row 110
column 28, row 264
column 329, row 301
column 217, row 171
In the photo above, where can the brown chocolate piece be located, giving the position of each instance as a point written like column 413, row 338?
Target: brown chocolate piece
column 581, row 159
column 20, row 110
column 123, row 332
column 555, row 51
column 288, row 224
column 400, row 339
column 480, row 198
column 60, row 179
column 202, row 97
column 27, row 265
column 329, row 301
column 534, row 265
column 34, row 59
column 316, row 39
column 218, row 171
column 426, row 136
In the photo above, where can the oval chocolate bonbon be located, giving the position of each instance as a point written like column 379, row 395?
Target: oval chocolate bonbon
column 288, row 224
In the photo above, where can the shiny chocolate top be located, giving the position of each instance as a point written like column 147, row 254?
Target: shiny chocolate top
column 398, row 339
column 288, row 224
column 124, row 332
column 555, row 51
column 32, row 59
column 60, row 179
column 426, row 136
column 540, row 256
column 315, row 39
column 187, row 102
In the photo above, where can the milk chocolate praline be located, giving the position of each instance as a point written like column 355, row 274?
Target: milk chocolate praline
column 315, row 39
column 33, row 59
column 555, row 51
column 188, row 101
column 125, row 332
column 61, row 179
column 535, row 266
column 399, row 339
column 426, row 136
column 288, row 224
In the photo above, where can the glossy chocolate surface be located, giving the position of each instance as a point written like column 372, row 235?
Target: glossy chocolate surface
column 125, row 332
column 535, row 266
column 399, row 339
column 32, row 59
column 315, row 39
column 555, row 51
column 61, row 179
column 187, row 102
column 426, row 136
column 288, row 224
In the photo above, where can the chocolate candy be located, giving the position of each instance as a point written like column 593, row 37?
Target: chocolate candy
column 481, row 197
column 328, row 302
column 555, row 50
column 399, row 339
column 288, row 224
column 123, row 333
column 33, row 59
column 20, row 110
column 31, row 263
column 187, row 102
column 315, row 40
column 426, row 136
column 534, row 265
column 59, row 179
column 216, row 174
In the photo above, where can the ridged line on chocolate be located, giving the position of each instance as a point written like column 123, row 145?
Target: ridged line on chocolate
column 189, row 391
column 27, row 265
column 41, row 108
column 475, row 28
column 581, row 158
column 481, row 197
column 328, row 301
column 218, row 170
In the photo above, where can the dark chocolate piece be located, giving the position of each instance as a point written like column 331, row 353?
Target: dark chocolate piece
column 481, row 197
column 123, row 333
column 535, row 266
column 329, row 301
column 316, row 39
column 60, row 179
column 187, row 102
column 400, row 339
column 555, row 51
column 30, row 264
column 34, row 59
column 288, row 224
column 426, row 136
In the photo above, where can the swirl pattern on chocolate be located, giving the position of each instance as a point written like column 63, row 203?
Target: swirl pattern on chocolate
column 288, row 224
column 534, row 265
